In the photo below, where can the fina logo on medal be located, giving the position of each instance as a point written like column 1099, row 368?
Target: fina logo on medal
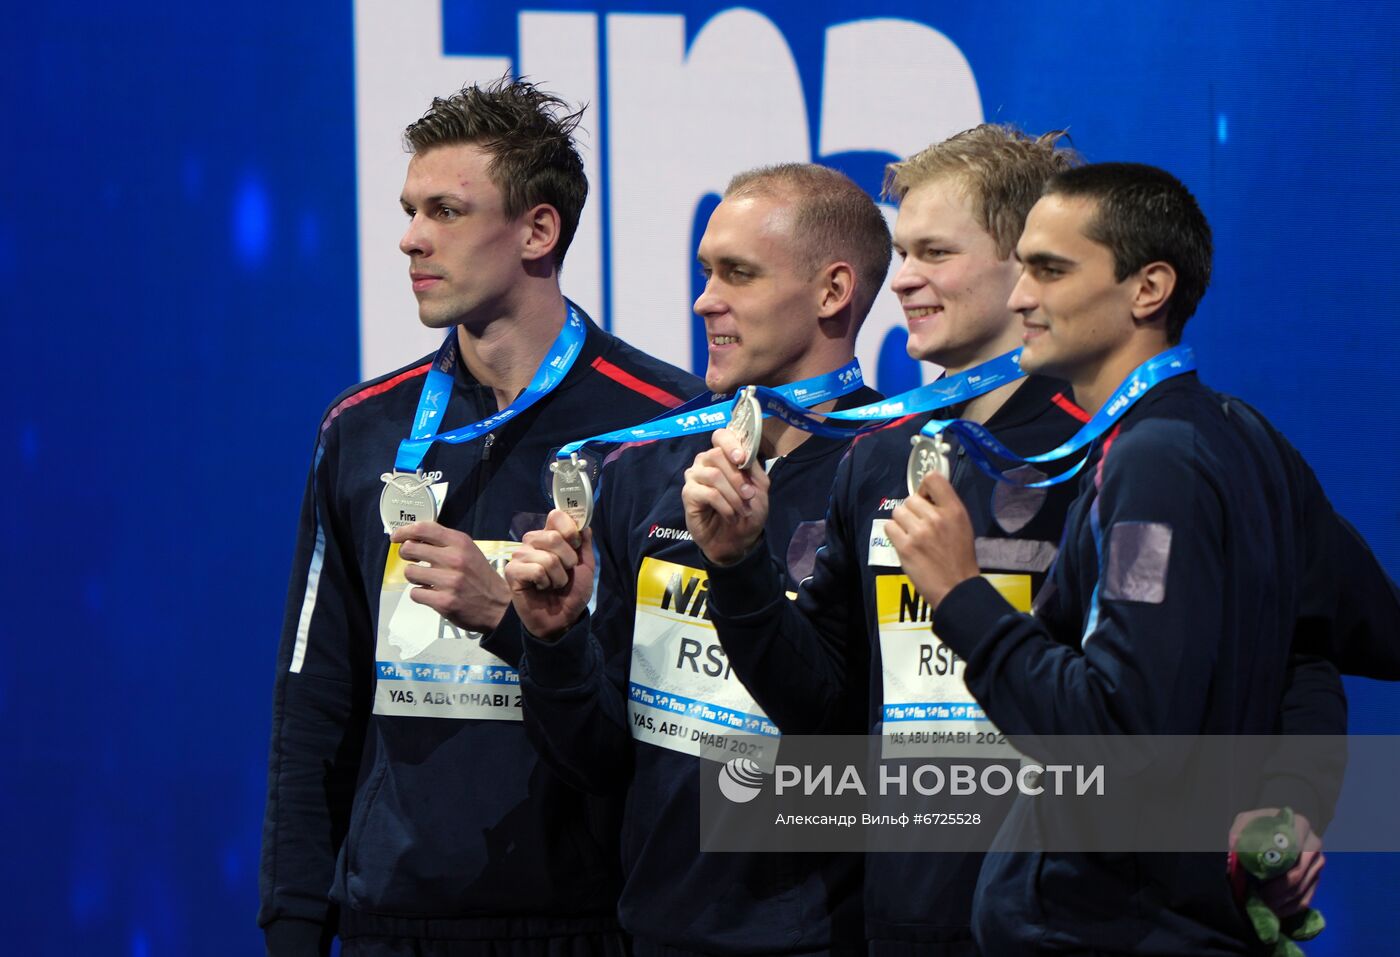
column 740, row 780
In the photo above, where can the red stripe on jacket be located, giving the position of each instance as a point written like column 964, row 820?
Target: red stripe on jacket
column 353, row 400
column 1067, row 404
column 1107, row 444
column 627, row 379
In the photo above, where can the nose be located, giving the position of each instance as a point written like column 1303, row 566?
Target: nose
column 708, row 303
column 1023, row 298
column 414, row 241
column 906, row 277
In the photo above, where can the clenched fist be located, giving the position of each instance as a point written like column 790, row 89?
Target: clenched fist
column 550, row 576
column 725, row 508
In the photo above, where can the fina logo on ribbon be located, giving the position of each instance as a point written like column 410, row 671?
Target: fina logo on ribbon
column 1125, row 399
column 700, row 418
column 763, row 92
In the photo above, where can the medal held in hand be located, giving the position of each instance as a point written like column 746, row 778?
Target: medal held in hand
column 930, row 454
column 746, row 424
column 407, row 495
column 407, row 498
column 573, row 490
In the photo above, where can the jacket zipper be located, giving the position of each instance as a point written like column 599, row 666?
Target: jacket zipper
column 960, row 465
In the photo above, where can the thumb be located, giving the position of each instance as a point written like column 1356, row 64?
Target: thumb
column 560, row 521
column 937, row 489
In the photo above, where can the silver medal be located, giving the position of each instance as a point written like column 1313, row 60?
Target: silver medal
column 746, row 424
column 573, row 490
column 929, row 455
column 407, row 498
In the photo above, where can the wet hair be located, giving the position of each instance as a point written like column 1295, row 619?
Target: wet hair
column 1144, row 215
column 528, row 135
column 1003, row 169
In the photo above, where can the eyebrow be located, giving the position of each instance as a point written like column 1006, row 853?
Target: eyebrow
column 925, row 240
column 437, row 198
column 1043, row 259
column 730, row 262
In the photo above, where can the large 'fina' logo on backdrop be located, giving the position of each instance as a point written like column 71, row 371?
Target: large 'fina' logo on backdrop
column 678, row 102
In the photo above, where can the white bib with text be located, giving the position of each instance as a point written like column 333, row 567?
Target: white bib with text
column 682, row 694
column 430, row 668
column 927, row 708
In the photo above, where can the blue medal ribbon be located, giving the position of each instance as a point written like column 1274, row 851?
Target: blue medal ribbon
column 790, row 403
column 437, row 388
column 978, row 441
column 950, row 390
column 704, row 413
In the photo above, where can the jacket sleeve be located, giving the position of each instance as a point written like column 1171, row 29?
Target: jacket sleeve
column 1360, row 631
column 1350, row 606
column 507, row 640
column 1345, row 604
column 321, row 703
column 1307, row 768
column 806, row 661
column 1150, row 642
column 574, row 689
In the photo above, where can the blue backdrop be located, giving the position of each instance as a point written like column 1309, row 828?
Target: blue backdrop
column 178, row 251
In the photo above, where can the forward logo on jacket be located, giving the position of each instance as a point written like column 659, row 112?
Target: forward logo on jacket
column 669, row 534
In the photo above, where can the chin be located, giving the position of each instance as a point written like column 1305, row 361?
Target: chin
column 1035, row 363
column 725, row 376
column 921, row 354
column 942, row 350
column 433, row 320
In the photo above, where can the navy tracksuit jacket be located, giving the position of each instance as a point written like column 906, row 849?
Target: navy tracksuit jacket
column 404, row 798
column 675, row 899
column 808, row 661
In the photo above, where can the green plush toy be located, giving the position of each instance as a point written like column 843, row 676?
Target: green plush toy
column 1268, row 847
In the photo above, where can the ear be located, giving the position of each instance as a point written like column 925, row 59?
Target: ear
column 1155, row 283
column 543, row 225
column 837, row 289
